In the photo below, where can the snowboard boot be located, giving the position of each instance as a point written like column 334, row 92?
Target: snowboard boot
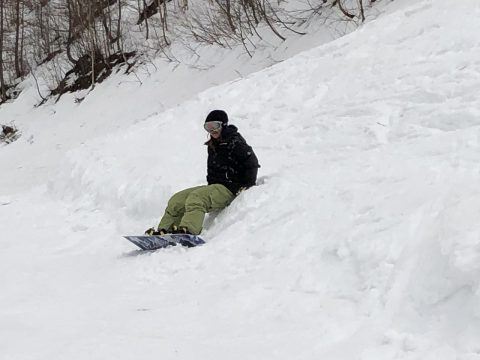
column 182, row 230
column 152, row 231
column 161, row 232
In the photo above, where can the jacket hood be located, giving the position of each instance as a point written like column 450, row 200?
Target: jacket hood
column 228, row 131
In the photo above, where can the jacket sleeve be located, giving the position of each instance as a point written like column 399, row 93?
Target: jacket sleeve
column 248, row 163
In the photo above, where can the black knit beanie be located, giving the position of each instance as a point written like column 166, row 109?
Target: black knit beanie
column 218, row 115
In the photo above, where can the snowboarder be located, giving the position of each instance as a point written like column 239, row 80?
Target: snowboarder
column 232, row 167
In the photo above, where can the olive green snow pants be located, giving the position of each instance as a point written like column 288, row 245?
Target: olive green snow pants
column 187, row 208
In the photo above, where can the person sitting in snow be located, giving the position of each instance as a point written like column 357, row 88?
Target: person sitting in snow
column 232, row 167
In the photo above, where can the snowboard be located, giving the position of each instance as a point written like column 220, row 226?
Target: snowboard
column 153, row 242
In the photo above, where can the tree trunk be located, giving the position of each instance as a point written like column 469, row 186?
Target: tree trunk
column 119, row 25
column 18, row 71
column 362, row 10
column 147, row 35
column 92, row 40
column 163, row 19
column 3, row 95
column 22, row 43
column 70, row 32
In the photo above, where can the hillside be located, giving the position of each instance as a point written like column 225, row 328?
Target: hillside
column 361, row 240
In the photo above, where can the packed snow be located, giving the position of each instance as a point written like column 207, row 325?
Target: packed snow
column 361, row 240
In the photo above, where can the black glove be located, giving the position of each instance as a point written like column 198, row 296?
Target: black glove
column 242, row 189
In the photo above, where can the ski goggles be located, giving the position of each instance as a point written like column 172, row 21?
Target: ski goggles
column 213, row 126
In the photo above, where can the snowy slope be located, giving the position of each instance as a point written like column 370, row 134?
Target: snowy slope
column 122, row 100
column 361, row 241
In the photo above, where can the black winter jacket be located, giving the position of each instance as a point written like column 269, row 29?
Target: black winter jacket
column 231, row 161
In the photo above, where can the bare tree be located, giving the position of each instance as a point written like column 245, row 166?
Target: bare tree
column 3, row 93
column 19, row 31
column 92, row 34
column 362, row 10
column 71, row 29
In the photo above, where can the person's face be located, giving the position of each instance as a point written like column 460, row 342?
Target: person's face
column 214, row 128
